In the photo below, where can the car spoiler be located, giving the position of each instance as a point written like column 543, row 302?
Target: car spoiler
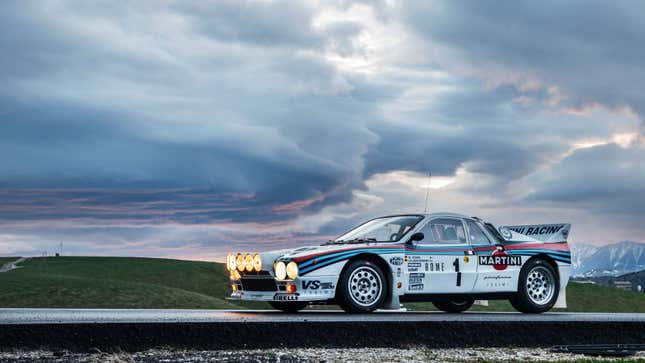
column 558, row 232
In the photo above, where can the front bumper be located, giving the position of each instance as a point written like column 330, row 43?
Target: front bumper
column 267, row 288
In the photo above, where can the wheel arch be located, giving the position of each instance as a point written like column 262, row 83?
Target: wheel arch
column 550, row 260
column 378, row 261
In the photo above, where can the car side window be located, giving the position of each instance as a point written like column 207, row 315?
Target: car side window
column 476, row 234
column 443, row 231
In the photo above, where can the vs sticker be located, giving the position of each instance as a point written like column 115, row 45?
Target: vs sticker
column 316, row 284
column 500, row 260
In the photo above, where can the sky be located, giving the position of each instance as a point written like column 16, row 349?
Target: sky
column 189, row 129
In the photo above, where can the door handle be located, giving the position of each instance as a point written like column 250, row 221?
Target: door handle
column 469, row 252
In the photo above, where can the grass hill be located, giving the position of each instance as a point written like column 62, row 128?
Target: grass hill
column 115, row 282
column 124, row 282
column 4, row 260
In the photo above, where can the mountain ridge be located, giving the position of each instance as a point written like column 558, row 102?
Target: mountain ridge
column 611, row 260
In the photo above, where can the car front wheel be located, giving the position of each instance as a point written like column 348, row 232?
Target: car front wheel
column 362, row 287
column 538, row 287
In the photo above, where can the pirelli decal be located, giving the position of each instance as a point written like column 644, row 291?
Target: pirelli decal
column 503, row 260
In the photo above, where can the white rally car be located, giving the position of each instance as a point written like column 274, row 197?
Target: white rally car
column 448, row 259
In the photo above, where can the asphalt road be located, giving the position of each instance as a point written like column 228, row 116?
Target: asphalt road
column 75, row 316
column 136, row 330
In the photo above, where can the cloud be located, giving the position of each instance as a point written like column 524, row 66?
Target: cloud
column 605, row 178
column 184, row 126
column 587, row 51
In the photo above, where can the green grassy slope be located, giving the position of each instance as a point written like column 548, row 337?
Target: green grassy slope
column 580, row 298
column 123, row 282
column 4, row 260
column 115, row 282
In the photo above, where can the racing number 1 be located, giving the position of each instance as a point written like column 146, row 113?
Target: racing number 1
column 456, row 264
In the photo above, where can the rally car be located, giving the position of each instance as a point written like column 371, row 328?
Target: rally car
column 448, row 259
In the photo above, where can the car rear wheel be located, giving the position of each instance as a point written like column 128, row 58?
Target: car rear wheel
column 538, row 287
column 288, row 307
column 453, row 306
column 362, row 287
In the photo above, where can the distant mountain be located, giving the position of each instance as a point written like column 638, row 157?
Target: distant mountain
column 611, row 260
column 637, row 280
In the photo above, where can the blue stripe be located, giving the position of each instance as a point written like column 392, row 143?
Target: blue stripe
column 337, row 254
column 563, row 253
column 344, row 256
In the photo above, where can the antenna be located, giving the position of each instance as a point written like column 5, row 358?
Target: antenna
column 425, row 208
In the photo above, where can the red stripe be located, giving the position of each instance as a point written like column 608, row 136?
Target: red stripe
column 558, row 246
column 308, row 257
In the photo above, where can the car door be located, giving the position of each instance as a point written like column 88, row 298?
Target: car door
column 443, row 262
column 491, row 276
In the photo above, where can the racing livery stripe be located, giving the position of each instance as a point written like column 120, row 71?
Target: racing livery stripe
column 307, row 257
column 559, row 251
column 338, row 254
column 342, row 257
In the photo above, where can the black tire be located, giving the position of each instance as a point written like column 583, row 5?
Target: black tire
column 453, row 306
column 533, row 294
column 288, row 307
column 367, row 289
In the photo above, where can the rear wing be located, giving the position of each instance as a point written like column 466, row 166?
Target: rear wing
column 539, row 232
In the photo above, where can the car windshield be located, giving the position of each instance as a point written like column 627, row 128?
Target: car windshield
column 385, row 229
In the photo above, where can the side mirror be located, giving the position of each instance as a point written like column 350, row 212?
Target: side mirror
column 416, row 237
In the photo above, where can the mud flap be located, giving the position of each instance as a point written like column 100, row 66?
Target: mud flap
column 561, row 303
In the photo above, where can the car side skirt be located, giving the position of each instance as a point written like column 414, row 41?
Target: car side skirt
column 434, row 297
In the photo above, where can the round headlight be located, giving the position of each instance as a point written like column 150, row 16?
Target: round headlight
column 280, row 270
column 248, row 262
column 292, row 270
column 257, row 262
column 239, row 262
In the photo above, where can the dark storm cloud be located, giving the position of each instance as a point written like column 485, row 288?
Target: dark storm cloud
column 475, row 126
column 283, row 127
column 606, row 178
column 196, row 123
column 275, row 23
column 591, row 50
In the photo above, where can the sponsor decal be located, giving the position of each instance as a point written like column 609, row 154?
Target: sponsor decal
column 415, row 287
column 466, row 259
column 285, row 297
column 497, row 277
column 316, row 284
column 500, row 260
column 437, row 267
column 415, row 281
column 414, row 264
column 418, row 275
column 538, row 230
column 398, row 272
column 505, row 232
column 396, row 261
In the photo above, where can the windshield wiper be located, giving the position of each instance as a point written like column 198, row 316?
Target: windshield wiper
column 351, row 241
column 361, row 240
column 333, row 242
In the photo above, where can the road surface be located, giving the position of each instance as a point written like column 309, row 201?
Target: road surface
column 135, row 330
column 68, row 316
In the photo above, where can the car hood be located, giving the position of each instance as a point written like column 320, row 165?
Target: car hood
column 303, row 253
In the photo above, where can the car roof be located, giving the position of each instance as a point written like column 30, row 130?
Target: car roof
column 435, row 214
